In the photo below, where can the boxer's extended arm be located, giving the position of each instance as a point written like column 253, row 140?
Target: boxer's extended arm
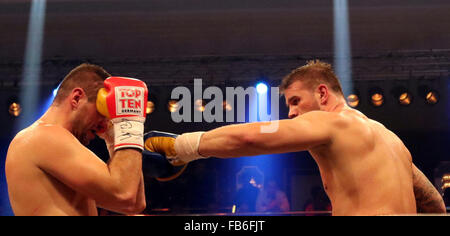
column 299, row 134
column 428, row 199
column 114, row 186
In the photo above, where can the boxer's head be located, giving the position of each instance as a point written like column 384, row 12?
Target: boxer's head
column 78, row 92
column 310, row 87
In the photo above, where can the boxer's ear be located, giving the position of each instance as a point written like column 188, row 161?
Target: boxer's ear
column 323, row 93
column 76, row 97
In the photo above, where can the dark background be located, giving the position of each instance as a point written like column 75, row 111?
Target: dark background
column 237, row 43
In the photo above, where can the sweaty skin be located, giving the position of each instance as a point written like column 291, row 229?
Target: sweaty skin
column 50, row 172
column 365, row 168
column 32, row 190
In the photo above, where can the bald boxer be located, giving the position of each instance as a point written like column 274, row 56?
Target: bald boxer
column 365, row 168
column 50, row 171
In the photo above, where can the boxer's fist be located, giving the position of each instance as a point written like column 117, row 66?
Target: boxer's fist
column 179, row 149
column 122, row 97
column 123, row 100
column 163, row 143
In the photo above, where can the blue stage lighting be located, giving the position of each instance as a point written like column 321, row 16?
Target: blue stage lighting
column 262, row 88
column 342, row 45
column 55, row 91
column 29, row 96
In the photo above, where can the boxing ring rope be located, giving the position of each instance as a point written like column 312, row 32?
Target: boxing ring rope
column 165, row 212
column 266, row 214
column 288, row 213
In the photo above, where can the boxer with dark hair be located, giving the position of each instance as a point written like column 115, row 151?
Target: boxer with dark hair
column 86, row 76
column 49, row 170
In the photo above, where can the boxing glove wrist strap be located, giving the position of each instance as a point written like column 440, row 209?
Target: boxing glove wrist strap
column 186, row 146
column 128, row 133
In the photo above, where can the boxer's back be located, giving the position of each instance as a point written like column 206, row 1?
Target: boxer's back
column 31, row 190
column 366, row 169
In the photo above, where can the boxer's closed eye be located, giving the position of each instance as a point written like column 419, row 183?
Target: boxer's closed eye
column 293, row 101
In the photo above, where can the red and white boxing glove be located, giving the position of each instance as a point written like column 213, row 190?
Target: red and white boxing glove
column 124, row 101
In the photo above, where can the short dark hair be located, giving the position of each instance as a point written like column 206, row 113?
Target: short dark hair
column 312, row 74
column 87, row 76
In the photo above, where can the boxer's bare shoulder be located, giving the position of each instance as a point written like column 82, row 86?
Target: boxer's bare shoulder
column 34, row 169
column 335, row 123
column 331, row 119
column 38, row 140
column 33, row 148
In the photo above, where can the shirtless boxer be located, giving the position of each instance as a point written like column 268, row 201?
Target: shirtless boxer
column 365, row 168
column 49, row 170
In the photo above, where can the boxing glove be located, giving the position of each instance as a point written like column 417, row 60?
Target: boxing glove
column 156, row 165
column 179, row 149
column 123, row 101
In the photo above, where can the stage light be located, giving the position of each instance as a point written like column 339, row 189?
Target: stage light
column 150, row 107
column 173, row 106
column 29, row 95
column 432, row 97
column 200, row 105
column 446, row 186
column 227, row 106
column 15, row 109
column 445, row 182
column 405, row 99
column 377, row 99
column 428, row 94
column 342, row 44
column 353, row 100
column 262, row 88
column 446, row 178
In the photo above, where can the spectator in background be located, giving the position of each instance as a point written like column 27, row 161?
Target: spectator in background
column 319, row 201
column 245, row 198
column 272, row 199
